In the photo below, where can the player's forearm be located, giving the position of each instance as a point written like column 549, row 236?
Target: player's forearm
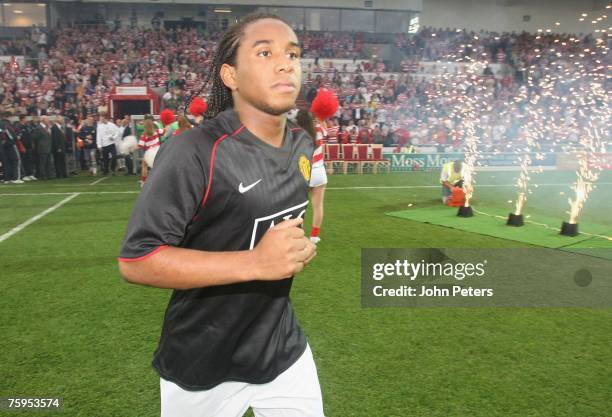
column 181, row 268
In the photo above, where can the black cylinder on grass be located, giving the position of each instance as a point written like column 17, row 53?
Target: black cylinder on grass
column 515, row 220
column 569, row 229
column 465, row 211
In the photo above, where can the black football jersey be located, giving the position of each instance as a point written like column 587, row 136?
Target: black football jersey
column 218, row 187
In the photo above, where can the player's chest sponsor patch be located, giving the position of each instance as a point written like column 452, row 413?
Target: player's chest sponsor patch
column 262, row 224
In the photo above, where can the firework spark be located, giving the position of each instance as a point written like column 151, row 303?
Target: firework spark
column 593, row 106
column 592, row 142
column 566, row 79
column 473, row 105
column 533, row 132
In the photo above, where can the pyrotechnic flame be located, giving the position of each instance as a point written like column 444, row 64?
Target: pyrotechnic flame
column 520, row 202
column 563, row 92
column 582, row 188
column 566, row 78
column 472, row 140
column 595, row 99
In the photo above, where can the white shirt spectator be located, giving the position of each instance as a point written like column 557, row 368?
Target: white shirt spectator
column 107, row 133
column 120, row 130
column 126, row 78
column 381, row 115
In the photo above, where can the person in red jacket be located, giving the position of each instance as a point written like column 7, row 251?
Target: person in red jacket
column 364, row 135
column 343, row 135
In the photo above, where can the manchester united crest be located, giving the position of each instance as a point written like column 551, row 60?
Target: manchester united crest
column 304, row 165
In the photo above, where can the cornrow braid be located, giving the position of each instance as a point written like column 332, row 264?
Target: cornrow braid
column 220, row 96
column 305, row 120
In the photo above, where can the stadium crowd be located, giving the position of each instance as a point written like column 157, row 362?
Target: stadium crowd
column 421, row 105
column 75, row 69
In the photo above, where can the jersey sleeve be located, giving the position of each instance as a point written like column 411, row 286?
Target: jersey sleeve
column 167, row 203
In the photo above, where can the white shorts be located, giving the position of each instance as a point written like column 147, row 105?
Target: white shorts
column 318, row 176
column 294, row 393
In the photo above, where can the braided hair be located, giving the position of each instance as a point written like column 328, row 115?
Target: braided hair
column 305, row 120
column 220, row 97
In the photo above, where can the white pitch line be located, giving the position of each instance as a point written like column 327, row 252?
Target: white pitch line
column 81, row 192
column 565, row 184
column 97, row 181
column 328, row 188
column 68, row 185
column 28, row 222
column 438, row 186
column 543, row 225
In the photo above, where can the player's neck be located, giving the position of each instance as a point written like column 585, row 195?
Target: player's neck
column 268, row 128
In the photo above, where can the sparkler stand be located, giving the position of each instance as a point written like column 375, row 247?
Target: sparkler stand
column 515, row 220
column 465, row 211
column 569, row 229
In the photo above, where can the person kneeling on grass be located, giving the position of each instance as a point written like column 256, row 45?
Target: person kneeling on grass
column 451, row 178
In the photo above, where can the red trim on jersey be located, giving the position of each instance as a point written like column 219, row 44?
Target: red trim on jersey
column 295, row 129
column 238, row 130
column 143, row 257
column 317, row 157
column 212, row 163
column 212, row 167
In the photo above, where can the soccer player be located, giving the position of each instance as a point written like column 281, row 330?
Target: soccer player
column 219, row 221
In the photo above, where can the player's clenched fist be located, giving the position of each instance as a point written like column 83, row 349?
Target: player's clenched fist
column 283, row 251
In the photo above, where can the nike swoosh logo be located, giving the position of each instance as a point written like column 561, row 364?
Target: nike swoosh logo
column 244, row 189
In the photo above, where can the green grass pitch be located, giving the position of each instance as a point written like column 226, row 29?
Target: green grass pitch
column 71, row 327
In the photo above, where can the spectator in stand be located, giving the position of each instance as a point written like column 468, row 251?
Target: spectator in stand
column 347, row 115
column 94, row 59
column 377, row 135
column 333, row 130
column 354, row 135
column 343, row 135
column 170, row 100
column 364, row 134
